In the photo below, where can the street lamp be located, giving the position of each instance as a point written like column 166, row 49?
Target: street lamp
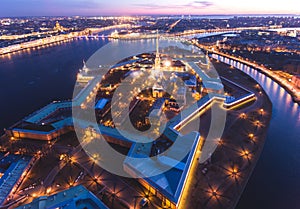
column 261, row 111
column 243, row 116
column 245, row 154
column 257, row 124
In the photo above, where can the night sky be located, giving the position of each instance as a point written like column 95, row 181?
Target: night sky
column 9, row 8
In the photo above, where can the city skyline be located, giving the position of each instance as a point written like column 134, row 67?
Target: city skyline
column 114, row 106
column 17, row 8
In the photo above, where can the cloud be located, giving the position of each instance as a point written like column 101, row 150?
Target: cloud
column 202, row 4
column 191, row 5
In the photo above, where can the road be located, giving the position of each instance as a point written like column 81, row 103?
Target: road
column 290, row 87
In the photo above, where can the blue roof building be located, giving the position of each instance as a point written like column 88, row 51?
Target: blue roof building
column 73, row 198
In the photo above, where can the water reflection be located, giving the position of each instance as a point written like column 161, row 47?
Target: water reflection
column 294, row 111
column 278, row 168
column 52, row 69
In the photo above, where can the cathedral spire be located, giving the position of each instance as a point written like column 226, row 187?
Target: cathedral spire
column 157, row 57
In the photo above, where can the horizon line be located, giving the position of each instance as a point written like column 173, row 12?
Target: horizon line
column 159, row 15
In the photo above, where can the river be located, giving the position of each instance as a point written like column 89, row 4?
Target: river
column 31, row 79
column 275, row 181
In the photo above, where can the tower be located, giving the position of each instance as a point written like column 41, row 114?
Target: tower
column 85, row 68
column 157, row 57
column 57, row 26
column 157, row 90
column 207, row 60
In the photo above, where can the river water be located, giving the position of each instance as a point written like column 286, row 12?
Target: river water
column 275, row 182
column 31, row 79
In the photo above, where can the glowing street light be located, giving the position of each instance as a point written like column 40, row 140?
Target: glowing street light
column 243, row 116
column 48, row 190
column 261, row 111
column 257, row 123
column 214, row 193
column 233, row 172
column 220, row 141
column 168, row 63
column 251, row 136
column 245, row 154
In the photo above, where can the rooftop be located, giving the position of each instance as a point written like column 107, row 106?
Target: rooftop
column 16, row 166
column 172, row 171
column 75, row 197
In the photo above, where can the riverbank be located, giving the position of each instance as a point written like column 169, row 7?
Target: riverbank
column 220, row 181
column 288, row 87
column 255, row 118
column 35, row 78
column 292, row 93
column 48, row 41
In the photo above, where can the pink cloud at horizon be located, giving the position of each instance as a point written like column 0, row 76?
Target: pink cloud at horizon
column 138, row 7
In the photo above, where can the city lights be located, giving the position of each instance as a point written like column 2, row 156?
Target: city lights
column 211, row 83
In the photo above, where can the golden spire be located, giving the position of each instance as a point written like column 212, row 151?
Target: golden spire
column 157, row 57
